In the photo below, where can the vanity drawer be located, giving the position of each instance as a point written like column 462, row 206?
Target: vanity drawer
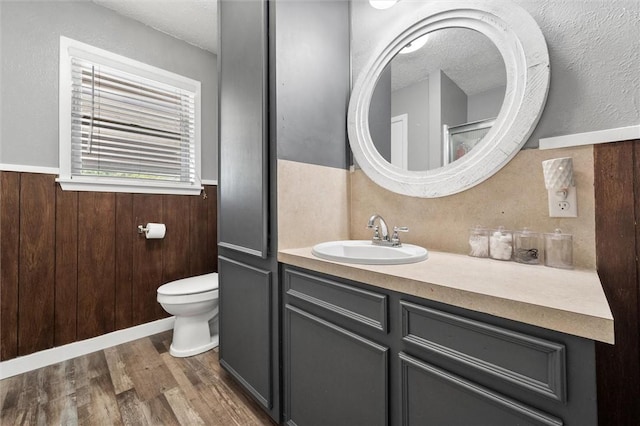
column 529, row 362
column 433, row 396
column 362, row 306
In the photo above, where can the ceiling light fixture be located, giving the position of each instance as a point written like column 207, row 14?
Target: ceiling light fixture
column 382, row 4
column 415, row 44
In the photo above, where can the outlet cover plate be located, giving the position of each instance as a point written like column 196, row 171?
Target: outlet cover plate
column 561, row 206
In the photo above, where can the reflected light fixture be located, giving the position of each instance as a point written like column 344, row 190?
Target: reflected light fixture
column 415, row 44
column 382, row 4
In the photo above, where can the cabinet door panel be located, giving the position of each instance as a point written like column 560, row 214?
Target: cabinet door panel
column 432, row 396
column 537, row 365
column 362, row 306
column 243, row 153
column 245, row 326
column 333, row 377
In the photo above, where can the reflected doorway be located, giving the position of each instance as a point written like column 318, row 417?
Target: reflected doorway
column 400, row 141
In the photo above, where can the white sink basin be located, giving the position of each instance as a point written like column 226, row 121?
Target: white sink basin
column 364, row 252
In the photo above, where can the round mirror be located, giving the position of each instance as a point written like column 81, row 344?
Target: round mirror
column 437, row 99
column 461, row 102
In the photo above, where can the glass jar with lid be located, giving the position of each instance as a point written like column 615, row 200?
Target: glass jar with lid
column 479, row 241
column 527, row 247
column 500, row 244
column 558, row 250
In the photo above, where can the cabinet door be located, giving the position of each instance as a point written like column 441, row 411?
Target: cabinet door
column 433, row 396
column 333, row 376
column 243, row 134
column 245, row 327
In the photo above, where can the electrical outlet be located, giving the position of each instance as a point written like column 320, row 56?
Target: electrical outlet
column 561, row 205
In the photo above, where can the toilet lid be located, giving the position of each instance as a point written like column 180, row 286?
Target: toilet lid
column 191, row 285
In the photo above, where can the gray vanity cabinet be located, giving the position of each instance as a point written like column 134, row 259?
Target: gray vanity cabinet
column 283, row 69
column 357, row 354
column 246, row 337
column 247, row 227
column 333, row 375
column 243, row 148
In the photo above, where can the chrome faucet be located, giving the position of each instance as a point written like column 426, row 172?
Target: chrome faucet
column 381, row 232
column 383, row 227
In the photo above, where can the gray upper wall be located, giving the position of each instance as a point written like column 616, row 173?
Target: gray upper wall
column 379, row 114
column 29, row 46
column 413, row 100
column 485, row 105
column 594, row 49
column 311, row 81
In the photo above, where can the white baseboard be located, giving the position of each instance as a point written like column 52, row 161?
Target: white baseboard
column 41, row 359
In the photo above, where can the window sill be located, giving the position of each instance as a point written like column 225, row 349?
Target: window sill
column 93, row 185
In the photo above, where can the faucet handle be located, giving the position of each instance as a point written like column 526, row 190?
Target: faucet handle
column 376, row 234
column 395, row 239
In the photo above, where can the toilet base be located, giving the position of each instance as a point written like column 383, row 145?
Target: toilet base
column 194, row 351
column 192, row 335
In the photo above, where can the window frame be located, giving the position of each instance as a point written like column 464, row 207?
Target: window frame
column 72, row 48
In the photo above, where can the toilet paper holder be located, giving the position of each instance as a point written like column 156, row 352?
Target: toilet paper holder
column 152, row 231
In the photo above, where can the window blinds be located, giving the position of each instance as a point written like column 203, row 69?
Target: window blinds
column 126, row 126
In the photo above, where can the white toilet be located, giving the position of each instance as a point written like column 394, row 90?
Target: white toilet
column 194, row 302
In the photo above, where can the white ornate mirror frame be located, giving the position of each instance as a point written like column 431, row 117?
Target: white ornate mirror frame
column 523, row 48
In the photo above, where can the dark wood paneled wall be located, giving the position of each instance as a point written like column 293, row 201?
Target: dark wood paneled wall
column 617, row 196
column 72, row 265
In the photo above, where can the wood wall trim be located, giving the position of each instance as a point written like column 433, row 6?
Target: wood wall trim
column 66, row 250
column 124, row 261
column 96, row 263
column 9, row 262
column 636, row 196
column 198, row 236
column 617, row 211
column 37, row 263
column 176, row 251
column 72, row 265
column 147, row 256
column 211, row 192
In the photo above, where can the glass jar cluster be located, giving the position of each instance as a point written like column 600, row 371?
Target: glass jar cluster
column 554, row 249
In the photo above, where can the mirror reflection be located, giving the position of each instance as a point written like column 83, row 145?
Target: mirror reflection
column 437, row 98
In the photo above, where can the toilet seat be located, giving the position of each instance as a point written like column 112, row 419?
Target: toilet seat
column 180, row 299
column 191, row 285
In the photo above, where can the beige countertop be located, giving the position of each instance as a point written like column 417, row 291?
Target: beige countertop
column 569, row 301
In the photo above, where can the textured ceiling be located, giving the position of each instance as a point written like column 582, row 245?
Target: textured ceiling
column 466, row 56
column 194, row 21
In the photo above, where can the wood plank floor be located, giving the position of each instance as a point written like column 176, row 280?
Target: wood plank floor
column 136, row 383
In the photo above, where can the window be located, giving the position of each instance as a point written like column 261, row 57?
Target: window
column 126, row 126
